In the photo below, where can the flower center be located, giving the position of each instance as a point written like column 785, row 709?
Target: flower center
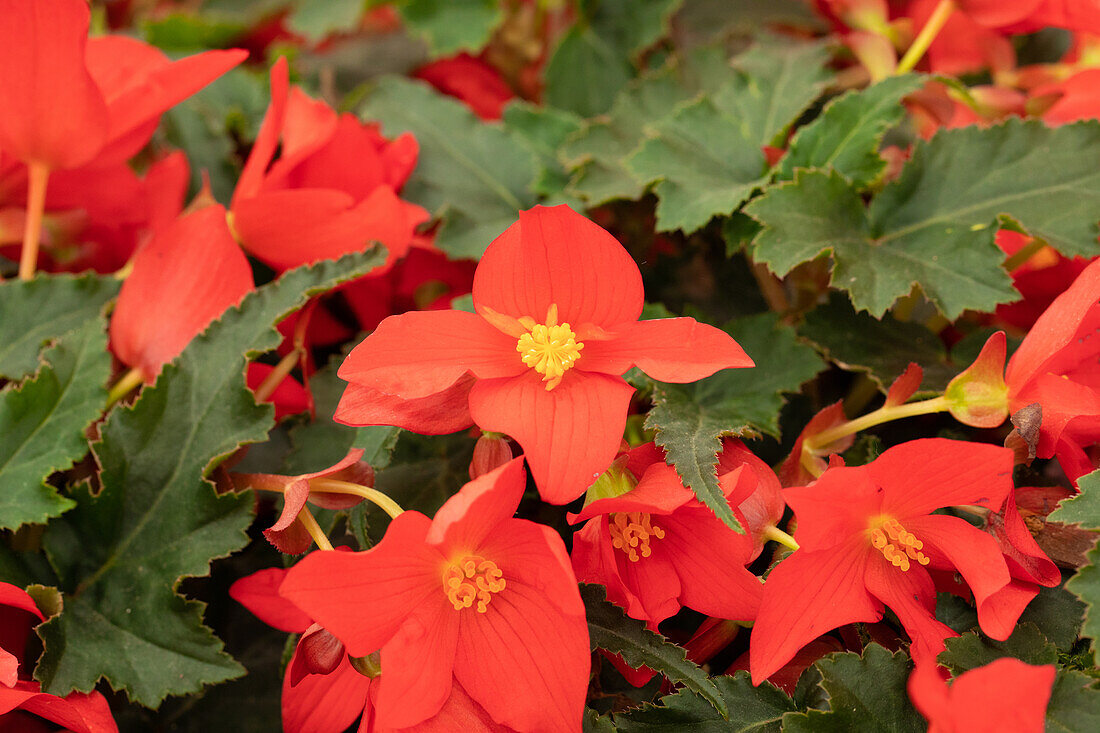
column 631, row 531
column 897, row 545
column 549, row 348
column 473, row 578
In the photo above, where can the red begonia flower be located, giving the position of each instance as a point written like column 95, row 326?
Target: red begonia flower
column 65, row 100
column 476, row 83
column 657, row 548
column 473, row 596
column 20, row 696
column 183, row 279
column 868, row 539
column 557, row 302
column 1004, row 695
column 1044, row 276
column 288, row 535
column 333, row 189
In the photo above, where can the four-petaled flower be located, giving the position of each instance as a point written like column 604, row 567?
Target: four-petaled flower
column 557, row 301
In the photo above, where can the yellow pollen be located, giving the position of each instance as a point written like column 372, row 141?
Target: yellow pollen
column 549, row 348
column 897, row 545
column 630, row 532
column 472, row 579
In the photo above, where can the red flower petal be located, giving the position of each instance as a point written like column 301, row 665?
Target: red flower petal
column 667, row 349
column 79, row 712
column 364, row 597
column 659, row 491
column 922, row 475
column 809, row 593
column 594, row 561
column 288, row 535
column 267, row 139
column 1004, row 695
column 525, row 661
column 557, row 256
column 328, row 702
column 182, row 280
column 459, row 713
column 569, row 434
column 535, row 556
column 422, row 353
column 835, row 508
column 259, row 593
column 416, row 665
column 912, row 596
column 469, row 517
column 51, row 111
column 445, row 412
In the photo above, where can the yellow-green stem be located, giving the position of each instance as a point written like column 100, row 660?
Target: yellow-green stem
column 38, row 176
column 277, row 375
column 314, row 529
column 871, row 419
column 129, row 381
column 1023, row 254
column 374, row 496
column 927, row 34
column 777, row 535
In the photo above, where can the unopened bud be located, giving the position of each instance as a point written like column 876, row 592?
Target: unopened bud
column 491, row 451
column 978, row 396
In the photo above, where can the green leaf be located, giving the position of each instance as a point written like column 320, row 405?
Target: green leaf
column 474, row 176
column 973, row 650
column 879, row 347
column 752, row 710
column 1084, row 508
column 704, row 21
column 1058, row 615
column 846, row 136
column 957, row 267
column 595, row 723
column 47, row 307
column 43, row 423
column 319, row 444
column 121, row 553
column 317, row 19
column 691, row 418
column 1086, row 586
column 865, row 693
column 779, row 80
column 611, row 630
column 1074, row 704
column 450, row 26
column 543, row 130
column 704, row 161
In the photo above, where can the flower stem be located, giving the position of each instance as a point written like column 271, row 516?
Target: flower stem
column 38, row 176
column 1023, row 254
column 871, row 419
column 927, row 34
column 374, row 496
column 277, row 375
column 129, row 381
column 772, row 532
column 314, row 529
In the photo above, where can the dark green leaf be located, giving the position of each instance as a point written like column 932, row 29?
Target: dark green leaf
column 957, row 266
column 595, row 723
column 846, row 136
column 704, row 21
column 611, row 630
column 1074, row 704
column 1084, row 508
column 1086, row 586
column 752, row 710
column 972, row 649
column 704, row 164
column 43, row 422
column 1058, row 615
column 450, row 26
column 865, row 693
column 121, row 553
column 881, row 348
column 691, row 418
column 45, row 308
column 474, row 176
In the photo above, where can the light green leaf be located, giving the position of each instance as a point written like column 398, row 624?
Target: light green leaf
column 120, row 553
column 690, row 419
column 47, row 307
column 1074, row 703
column 317, row 19
column 543, row 130
column 752, row 710
column 472, row 175
column 1084, row 508
column 1085, row 584
column 43, row 421
column 450, row 26
column 846, row 136
column 610, row 629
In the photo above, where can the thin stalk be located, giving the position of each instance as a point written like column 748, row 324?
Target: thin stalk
column 38, row 176
column 374, row 496
column 314, row 529
column 277, row 375
column 927, row 34
column 129, row 381
column 1023, row 254
column 871, row 419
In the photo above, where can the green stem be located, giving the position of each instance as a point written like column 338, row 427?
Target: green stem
column 776, row 534
column 871, row 419
column 1023, row 254
column 927, row 34
column 130, row 381
column 314, row 529
column 374, row 496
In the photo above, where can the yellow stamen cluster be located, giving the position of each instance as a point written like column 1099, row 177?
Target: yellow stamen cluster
column 907, row 547
column 473, row 578
column 549, row 348
column 631, row 531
